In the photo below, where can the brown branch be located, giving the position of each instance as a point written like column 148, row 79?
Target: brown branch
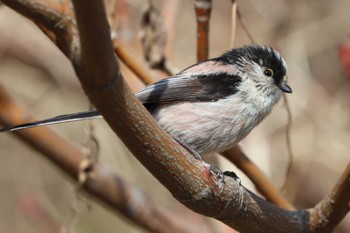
column 35, row 211
column 233, row 23
column 203, row 10
column 288, row 140
column 333, row 208
column 244, row 26
column 153, row 35
column 52, row 18
column 108, row 188
column 132, row 63
column 261, row 182
column 169, row 13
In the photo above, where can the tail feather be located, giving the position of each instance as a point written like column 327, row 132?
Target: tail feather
column 56, row 120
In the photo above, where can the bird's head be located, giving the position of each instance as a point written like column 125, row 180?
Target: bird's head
column 264, row 65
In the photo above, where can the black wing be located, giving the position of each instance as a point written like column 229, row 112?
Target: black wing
column 192, row 86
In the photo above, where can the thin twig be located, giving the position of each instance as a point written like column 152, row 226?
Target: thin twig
column 288, row 141
column 203, row 10
column 132, row 63
column 153, row 35
column 244, row 26
column 333, row 208
column 233, row 23
column 169, row 13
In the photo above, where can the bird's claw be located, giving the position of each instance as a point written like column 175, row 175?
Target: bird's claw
column 233, row 175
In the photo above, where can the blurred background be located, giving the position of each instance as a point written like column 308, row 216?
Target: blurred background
column 312, row 36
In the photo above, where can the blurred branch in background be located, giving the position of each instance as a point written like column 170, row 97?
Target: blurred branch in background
column 233, row 23
column 203, row 10
column 36, row 212
column 132, row 62
column 244, row 26
column 154, row 34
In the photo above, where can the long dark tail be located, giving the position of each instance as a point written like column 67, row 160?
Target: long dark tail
column 56, row 120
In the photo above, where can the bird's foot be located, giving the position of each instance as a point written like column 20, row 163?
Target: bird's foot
column 233, row 175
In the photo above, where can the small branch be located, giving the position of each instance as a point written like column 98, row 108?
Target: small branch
column 52, row 18
column 31, row 207
column 169, row 13
column 132, row 63
column 153, row 35
column 288, row 140
column 244, row 26
column 261, row 182
column 333, row 208
column 203, row 10
column 233, row 23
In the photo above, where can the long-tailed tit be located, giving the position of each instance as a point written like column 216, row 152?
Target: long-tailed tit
column 212, row 105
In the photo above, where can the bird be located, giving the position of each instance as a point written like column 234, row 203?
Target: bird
column 212, row 105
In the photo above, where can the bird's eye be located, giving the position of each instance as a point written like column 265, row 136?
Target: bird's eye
column 268, row 72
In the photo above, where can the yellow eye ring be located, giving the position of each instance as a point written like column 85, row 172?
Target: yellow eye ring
column 268, row 72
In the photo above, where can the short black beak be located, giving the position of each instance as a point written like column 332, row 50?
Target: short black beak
column 285, row 88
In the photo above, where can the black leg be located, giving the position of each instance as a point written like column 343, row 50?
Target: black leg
column 233, row 175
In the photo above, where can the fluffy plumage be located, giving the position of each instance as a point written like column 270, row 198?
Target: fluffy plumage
column 213, row 105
